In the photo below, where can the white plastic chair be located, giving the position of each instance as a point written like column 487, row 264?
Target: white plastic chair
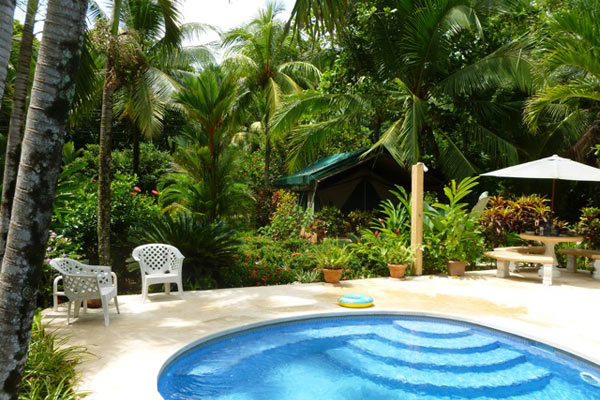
column 159, row 263
column 83, row 282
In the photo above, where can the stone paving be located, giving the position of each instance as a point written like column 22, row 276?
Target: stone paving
column 128, row 355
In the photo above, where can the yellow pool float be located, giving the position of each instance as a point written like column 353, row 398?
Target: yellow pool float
column 355, row 301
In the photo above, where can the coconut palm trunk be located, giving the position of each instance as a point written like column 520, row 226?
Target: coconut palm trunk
column 104, row 177
column 7, row 10
column 17, row 122
column 51, row 97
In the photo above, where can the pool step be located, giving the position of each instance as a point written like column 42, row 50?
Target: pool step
column 473, row 343
column 519, row 379
column 493, row 360
column 432, row 329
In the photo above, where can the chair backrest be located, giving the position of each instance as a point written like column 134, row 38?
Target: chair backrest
column 70, row 267
column 158, row 258
column 81, row 286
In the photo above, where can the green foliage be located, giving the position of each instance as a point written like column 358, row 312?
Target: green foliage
column 332, row 221
column 289, row 218
column 367, row 258
column 50, row 369
column 451, row 232
column 589, row 227
column 263, row 261
column 128, row 209
column 396, row 252
column 208, row 247
column 395, row 220
column 504, row 219
column 58, row 247
column 153, row 163
column 332, row 255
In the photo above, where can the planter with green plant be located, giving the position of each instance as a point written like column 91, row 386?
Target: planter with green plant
column 331, row 257
column 397, row 256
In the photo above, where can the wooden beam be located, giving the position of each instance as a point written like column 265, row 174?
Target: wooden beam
column 416, row 225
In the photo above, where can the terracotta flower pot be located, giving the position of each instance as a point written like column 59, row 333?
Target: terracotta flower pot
column 456, row 268
column 332, row 275
column 95, row 303
column 397, row 270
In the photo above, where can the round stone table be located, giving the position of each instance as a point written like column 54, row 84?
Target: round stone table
column 549, row 243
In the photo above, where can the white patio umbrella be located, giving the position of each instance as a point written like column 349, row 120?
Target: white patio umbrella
column 554, row 168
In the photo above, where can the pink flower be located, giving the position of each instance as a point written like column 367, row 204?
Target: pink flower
column 154, row 192
column 49, row 249
column 47, row 261
column 397, row 231
column 376, row 234
column 137, row 189
column 93, row 180
column 132, row 193
column 381, row 220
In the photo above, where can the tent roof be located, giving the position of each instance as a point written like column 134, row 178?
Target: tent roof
column 323, row 168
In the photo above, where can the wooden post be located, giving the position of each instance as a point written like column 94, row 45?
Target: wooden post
column 416, row 225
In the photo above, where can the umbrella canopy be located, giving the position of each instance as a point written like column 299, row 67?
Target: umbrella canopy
column 554, row 167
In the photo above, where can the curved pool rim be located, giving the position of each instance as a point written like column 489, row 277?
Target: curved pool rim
column 593, row 362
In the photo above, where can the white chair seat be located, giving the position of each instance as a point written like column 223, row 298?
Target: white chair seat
column 159, row 264
column 83, row 282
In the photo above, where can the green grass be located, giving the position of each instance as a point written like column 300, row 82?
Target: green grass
column 50, row 370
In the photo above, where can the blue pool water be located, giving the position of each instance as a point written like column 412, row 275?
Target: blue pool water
column 376, row 357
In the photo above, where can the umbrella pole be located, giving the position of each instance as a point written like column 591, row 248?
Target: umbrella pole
column 552, row 201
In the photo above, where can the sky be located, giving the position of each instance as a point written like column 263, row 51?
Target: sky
column 223, row 14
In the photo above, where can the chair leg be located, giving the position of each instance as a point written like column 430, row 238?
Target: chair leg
column 547, row 274
column 144, row 292
column 180, row 288
column 168, row 288
column 69, row 313
column 117, row 305
column 85, row 306
column 76, row 309
column 105, row 311
column 55, row 303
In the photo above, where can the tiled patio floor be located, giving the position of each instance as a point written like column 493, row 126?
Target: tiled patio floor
column 129, row 353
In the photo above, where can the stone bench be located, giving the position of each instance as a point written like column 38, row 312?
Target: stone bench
column 572, row 255
column 504, row 256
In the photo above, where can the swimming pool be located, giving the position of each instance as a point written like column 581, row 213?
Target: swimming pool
column 362, row 357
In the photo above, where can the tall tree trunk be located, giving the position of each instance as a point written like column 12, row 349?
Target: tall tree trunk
column 17, row 122
column 51, row 97
column 135, row 133
column 7, row 10
column 267, row 151
column 104, row 175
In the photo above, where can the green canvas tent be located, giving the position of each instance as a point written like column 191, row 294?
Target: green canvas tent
column 348, row 181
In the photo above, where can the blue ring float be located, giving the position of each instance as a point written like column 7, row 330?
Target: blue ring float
column 355, row 301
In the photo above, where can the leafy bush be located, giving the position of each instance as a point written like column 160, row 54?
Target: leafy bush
column 504, row 219
column 289, row 219
column 262, row 261
column 395, row 219
column 451, row 232
column 589, row 227
column 359, row 220
column 50, row 368
column 332, row 255
column 207, row 247
column 333, row 222
column 58, row 247
column 396, row 252
column 128, row 209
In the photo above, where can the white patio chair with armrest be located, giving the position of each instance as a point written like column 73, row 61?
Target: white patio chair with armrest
column 67, row 264
column 86, row 282
column 159, row 263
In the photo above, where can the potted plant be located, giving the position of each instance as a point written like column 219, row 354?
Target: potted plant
column 331, row 258
column 462, row 243
column 397, row 256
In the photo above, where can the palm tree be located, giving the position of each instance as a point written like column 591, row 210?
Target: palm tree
column 203, row 180
column 52, row 93
column 17, row 121
column 409, row 56
column 571, row 94
column 7, row 10
column 165, row 19
column 260, row 52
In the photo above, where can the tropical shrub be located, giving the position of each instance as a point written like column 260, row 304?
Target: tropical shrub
column 396, row 252
column 333, row 222
column 504, row 219
column 208, row 247
column 58, row 247
column 589, row 227
column 451, row 231
column 289, row 218
column 395, row 216
column 128, row 208
column 332, row 255
column 50, row 368
column 359, row 220
column 260, row 260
